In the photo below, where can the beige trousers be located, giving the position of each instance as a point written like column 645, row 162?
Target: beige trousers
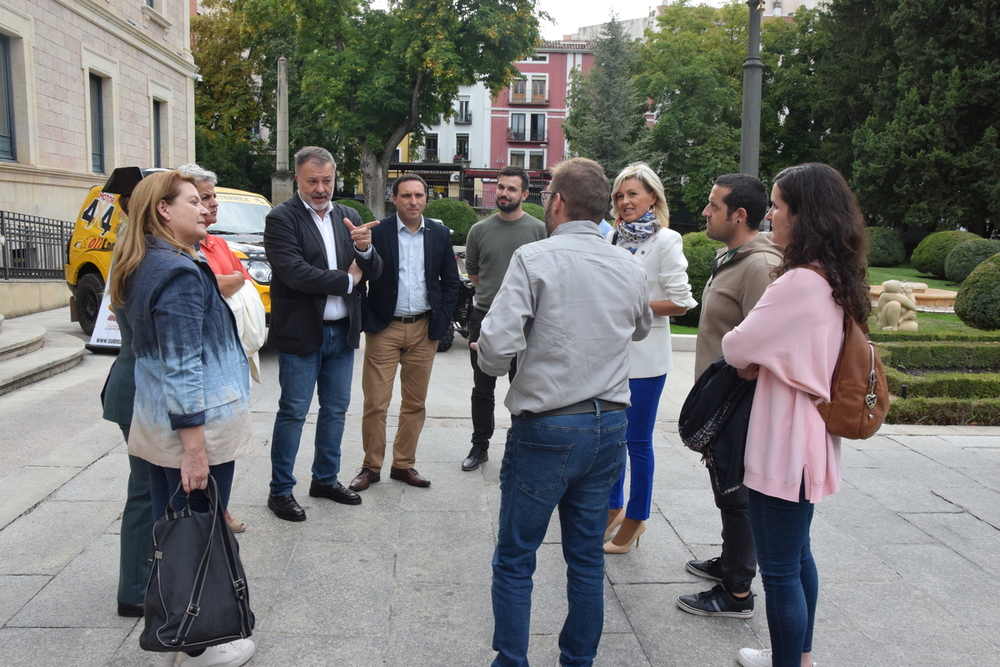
column 407, row 347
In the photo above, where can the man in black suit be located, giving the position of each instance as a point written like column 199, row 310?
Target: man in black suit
column 406, row 311
column 320, row 253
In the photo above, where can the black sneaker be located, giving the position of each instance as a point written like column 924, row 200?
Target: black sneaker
column 717, row 602
column 706, row 569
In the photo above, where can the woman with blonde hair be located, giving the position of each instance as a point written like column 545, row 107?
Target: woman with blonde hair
column 642, row 220
column 191, row 417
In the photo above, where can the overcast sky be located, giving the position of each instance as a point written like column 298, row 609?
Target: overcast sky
column 570, row 15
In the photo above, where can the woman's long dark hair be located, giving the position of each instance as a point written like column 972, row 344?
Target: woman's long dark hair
column 828, row 228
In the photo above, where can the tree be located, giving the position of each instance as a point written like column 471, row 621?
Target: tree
column 607, row 118
column 692, row 72
column 375, row 75
column 929, row 156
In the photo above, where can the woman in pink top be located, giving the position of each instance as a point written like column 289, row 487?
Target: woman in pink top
column 790, row 342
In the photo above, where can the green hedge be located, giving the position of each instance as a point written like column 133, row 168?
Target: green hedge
column 699, row 251
column 930, row 254
column 365, row 212
column 944, row 411
column 915, row 336
column 885, row 247
column 934, row 354
column 978, row 300
column 967, row 255
column 456, row 214
column 944, row 385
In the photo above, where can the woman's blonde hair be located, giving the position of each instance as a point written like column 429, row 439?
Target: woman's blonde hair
column 130, row 245
column 645, row 174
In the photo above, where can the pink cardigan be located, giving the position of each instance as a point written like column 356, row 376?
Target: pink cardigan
column 794, row 333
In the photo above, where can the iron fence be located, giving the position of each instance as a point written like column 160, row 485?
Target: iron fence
column 32, row 247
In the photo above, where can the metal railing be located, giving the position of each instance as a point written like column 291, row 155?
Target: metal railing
column 32, row 247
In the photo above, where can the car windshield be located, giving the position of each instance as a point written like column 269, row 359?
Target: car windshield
column 239, row 218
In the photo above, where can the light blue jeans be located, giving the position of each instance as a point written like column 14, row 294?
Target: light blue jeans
column 569, row 462
column 328, row 371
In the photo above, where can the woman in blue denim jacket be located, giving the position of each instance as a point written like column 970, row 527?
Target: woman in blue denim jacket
column 191, row 416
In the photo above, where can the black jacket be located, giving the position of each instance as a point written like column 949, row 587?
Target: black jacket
column 440, row 274
column 714, row 422
column 301, row 279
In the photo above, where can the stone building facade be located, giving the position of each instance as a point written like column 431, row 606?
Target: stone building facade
column 87, row 86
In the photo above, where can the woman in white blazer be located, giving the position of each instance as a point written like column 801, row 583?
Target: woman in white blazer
column 642, row 219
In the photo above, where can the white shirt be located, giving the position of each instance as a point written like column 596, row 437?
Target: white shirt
column 411, row 298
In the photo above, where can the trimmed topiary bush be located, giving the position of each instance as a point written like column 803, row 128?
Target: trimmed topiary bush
column 885, row 247
column 930, row 254
column 456, row 214
column 978, row 300
column 699, row 251
column 365, row 212
column 966, row 256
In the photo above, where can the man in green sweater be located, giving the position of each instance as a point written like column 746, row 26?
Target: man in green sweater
column 490, row 245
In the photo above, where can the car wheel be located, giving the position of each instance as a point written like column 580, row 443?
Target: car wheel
column 89, row 292
column 446, row 341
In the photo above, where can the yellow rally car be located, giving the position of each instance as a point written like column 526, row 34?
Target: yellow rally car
column 241, row 223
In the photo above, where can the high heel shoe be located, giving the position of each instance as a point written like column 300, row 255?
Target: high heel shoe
column 612, row 548
column 617, row 521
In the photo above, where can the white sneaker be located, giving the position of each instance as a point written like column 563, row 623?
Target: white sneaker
column 232, row 654
column 165, row 659
column 752, row 657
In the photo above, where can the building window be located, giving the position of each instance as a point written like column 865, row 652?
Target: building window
column 7, row 147
column 537, row 58
column 431, row 148
column 517, row 124
column 536, row 160
column 518, row 90
column 96, row 124
column 157, row 133
column 461, row 147
column 517, row 159
column 537, row 127
column 538, row 89
column 151, row 4
column 464, row 113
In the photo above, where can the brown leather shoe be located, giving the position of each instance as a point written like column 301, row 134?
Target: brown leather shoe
column 366, row 477
column 410, row 476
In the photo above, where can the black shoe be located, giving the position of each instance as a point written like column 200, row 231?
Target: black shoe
column 338, row 493
column 477, row 457
column 129, row 610
column 717, row 602
column 285, row 507
column 706, row 569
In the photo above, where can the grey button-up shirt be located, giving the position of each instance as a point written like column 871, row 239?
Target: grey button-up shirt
column 567, row 309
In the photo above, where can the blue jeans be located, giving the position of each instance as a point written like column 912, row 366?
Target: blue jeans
column 329, row 371
column 641, row 420
column 788, row 571
column 163, row 482
column 571, row 462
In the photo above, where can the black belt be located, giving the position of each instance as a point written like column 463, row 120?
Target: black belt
column 587, row 407
column 410, row 319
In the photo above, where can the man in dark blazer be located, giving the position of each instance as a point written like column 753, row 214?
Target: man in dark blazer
column 320, row 255
column 406, row 311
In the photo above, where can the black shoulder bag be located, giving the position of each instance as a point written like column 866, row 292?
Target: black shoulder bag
column 197, row 593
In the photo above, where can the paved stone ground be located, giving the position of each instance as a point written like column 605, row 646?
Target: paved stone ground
column 908, row 551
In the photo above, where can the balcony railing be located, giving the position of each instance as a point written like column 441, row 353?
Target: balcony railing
column 463, row 118
column 519, row 99
column 535, row 136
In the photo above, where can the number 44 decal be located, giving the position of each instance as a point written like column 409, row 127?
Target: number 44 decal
column 91, row 212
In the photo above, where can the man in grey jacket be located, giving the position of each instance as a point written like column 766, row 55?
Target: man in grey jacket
column 741, row 272
column 568, row 309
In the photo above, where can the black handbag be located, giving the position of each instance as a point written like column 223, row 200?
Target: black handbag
column 197, row 594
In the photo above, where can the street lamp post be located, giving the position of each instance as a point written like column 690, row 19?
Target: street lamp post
column 753, row 77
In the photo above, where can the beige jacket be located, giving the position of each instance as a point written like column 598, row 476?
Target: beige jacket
column 731, row 292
